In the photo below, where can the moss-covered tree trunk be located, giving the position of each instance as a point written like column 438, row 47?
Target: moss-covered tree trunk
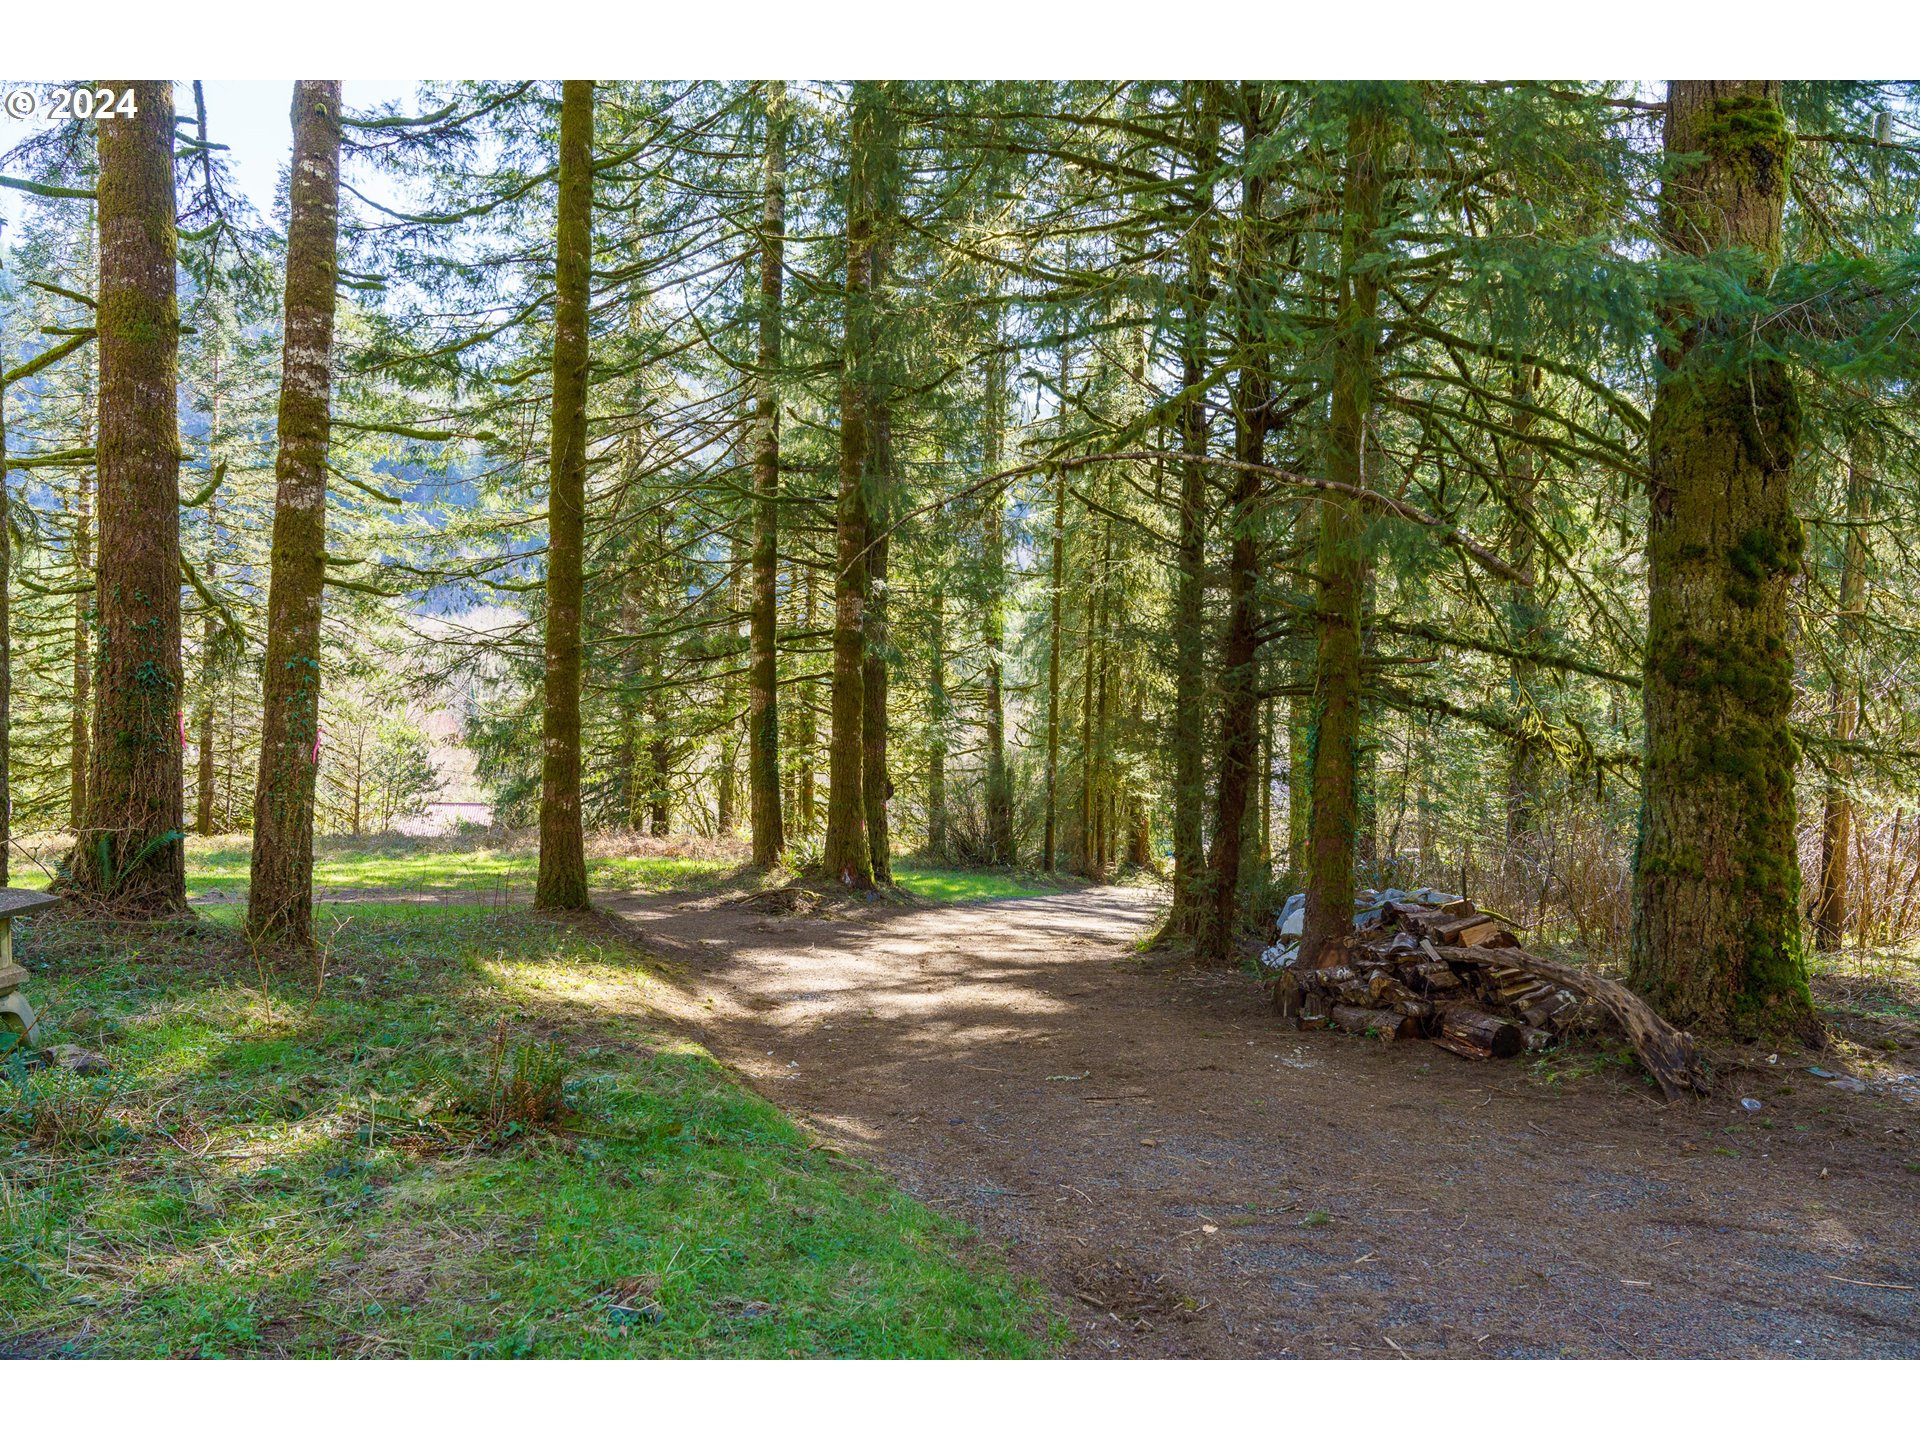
column 1527, row 749
column 562, row 881
column 1104, row 789
column 732, row 601
column 876, row 786
column 128, row 854
column 1341, row 561
column 1189, row 619
column 993, row 616
column 209, row 624
column 806, row 729
column 79, row 719
column 280, row 895
column 209, row 683
column 763, row 699
column 939, row 709
column 659, row 765
column 1089, row 853
column 846, row 854
column 1050, row 842
column 1716, row 927
column 1836, row 830
column 1239, row 661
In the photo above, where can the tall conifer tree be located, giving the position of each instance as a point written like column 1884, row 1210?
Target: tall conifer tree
column 128, row 854
column 280, row 896
column 562, row 882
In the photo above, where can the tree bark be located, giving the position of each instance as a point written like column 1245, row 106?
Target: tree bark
column 128, row 856
column 1836, row 831
column 1240, row 670
column 763, row 705
column 993, row 546
column 806, row 806
column 1334, row 737
column 876, row 787
column 280, row 897
column 562, row 881
column 737, row 602
column 846, row 853
column 1049, row 847
column 1089, row 852
column 659, row 768
column 1189, row 634
column 1716, row 928
column 1103, row 787
column 1526, row 752
column 209, row 624
column 79, row 758
column 209, row 681
column 938, row 711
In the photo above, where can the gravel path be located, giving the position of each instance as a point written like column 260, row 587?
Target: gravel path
column 1189, row 1178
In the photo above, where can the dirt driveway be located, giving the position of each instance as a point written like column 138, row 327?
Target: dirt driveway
column 1189, row 1178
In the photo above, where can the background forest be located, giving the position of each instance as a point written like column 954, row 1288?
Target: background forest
column 1133, row 445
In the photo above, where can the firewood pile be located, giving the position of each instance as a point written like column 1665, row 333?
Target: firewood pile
column 1426, row 965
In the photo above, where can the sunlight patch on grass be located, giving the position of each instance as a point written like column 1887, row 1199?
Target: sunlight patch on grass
column 267, row 1171
column 217, row 869
column 955, row 885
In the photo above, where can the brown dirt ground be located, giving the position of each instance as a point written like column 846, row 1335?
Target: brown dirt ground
column 1188, row 1177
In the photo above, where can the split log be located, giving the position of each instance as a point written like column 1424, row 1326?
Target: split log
column 1387, row 1024
column 1474, row 929
column 1487, row 932
column 1478, row 1035
column 1383, row 989
column 1433, row 978
column 1415, row 920
column 1547, row 1013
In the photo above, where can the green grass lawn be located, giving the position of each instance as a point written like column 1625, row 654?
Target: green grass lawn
column 504, row 874
column 217, row 868
column 940, row 883
column 305, row 1164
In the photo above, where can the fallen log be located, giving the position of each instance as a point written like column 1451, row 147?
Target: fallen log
column 1667, row 1053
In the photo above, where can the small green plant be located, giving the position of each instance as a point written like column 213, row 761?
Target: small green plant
column 524, row 1090
column 114, row 877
